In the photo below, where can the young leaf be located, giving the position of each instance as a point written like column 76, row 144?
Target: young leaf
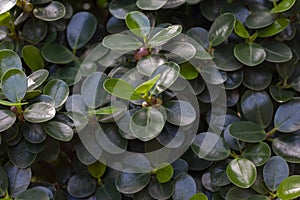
column 145, row 87
column 240, row 30
column 199, row 196
column 164, row 35
column 164, row 173
column 283, row 6
column 138, row 23
column 104, row 111
column 289, row 188
column 121, row 89
column 97, row 169
column 278, row 25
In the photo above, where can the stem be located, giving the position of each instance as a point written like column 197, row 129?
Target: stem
column 271, row 132
column 210, row 50
column 234, row 155
column 253, row 37
column 274, row 3
column 74, row 51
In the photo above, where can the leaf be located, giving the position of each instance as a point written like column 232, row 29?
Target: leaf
column 81, row 29
column 86, row 184
column 164, row 173
column 33, row 194
column 34, row 30
column 240, row 30
column 97, row 169
column 225, row 60
column 217, row 175
column 7, row 119
column 105, row 110
column 199, row 196
column 146, row 86
column 164, row 35
column 3, row 182
column 159, row 190
column 14, row 84
column 36, row 79
column 274, row 172
column 257, row 78
column 6, row 5
column 281, row 95
column 287, row 117
column 121, row 42
column 221, row 29
column 8, row 60
column 277, row 52
column 147, row 123
column 289, row 188
column 108, row 191
column 130, row 183
column 180, row 52
column 5, row 18
column 33, row 57
column 70, row 75
column 138, row 23
column 18, row 179
column 184, row 187
column 58, row 54
column 259, row 19
column 258, row 197
column 180, row 113
column 188, row 71
column 210, row 146
column 59, row 131
column 257, row 107
column 283, row 6
column 250, row 54
column 119, row 8
column 33, row 133
column 148, row 64
column 121, row 89
column 247, row 131
column 241, row 172
column 258, row 153
column 287, row 148
column 237, row 193
column 51, row 12
column 278, row 25
column 58, row 90
column 39, row 112
column 150, row 5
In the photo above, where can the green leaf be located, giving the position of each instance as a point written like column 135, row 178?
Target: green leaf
column 260, row 19
column 86, row 184
column 287, row 147
column 289, row 188
column 287, row 117
column 6, row 5
column 70, row 75
column 146, row 86
column 14, row 84
column 281, row 95
column 217, row 175
column 138, row 23
column 121, row 42
column 224, row 58
column 97, row 169
column 199, row 196
column 150, row 5
column 58, row 54
column 33, row 133
column 180, row 113
column 121, row 89
column 3, row 182
column 169, row 72
column 164, row 173
column 221, row 29
column 210, row 146
column 247, row 131
column 105, row 111
column 241, row 172
column 258, row 153
column 250, row 54
column 148, row 64
column 237, row 193
column 59, row 131
column 36, row 79
column 274, row 172
column 5, row 19
column 33, row 57
column 147, row 123
column 33, row 194
column 159, row 190
column 257, row 107
column 34, row 30
column 284, row 5
column 119, row 9
column 257, row 78
column 9, row 59
column 7, row 119
column 81, row 29
column 240, row 30
column 278, row 25
column 180, row 52
column 188, row 71
column 51, row 12
column 108, row 191
column 164, row 35
column 184, row 187
column 129, row 183
column 39, row 112
column 277, row 52
column 58, row 90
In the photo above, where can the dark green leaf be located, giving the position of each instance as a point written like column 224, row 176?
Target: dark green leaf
column 274, row 172
column 6, row 5
column 59, row 131
column 52, row 12
column 14, row 84
column 57, row 54
column 218, row 176
column 283, row 6
column 277, row 52
column 58, row 90
column 119, row 8
column 247, row 131
column 3, row 182
column 148, row 64
column 184, row 187
column 36, row 79
column 129, row 183
column 180, row 52
column 9, row 59
column 164, row 173
column 86, row 184
column 39, row 112
column 121, row 89
column 33, row 57
column 237, row 193
column 278, row 25
column 121, row 42
column 70, row 75
column 241, row 172
column 259, row 19
column 33, row 194
column 240, row 30
column 287, row 147
column 34, row 30
column 105, row 110
column 289, row 188
column 250, row 54
column 258, row 153
column 33, row 133
column 150, row 5
column 7, row 119
column 161, row 190
column 257, row 78
column 138, row 23
column 20, row 156
column 221, row 29
column 81, row 29
column 164, row 35
column 258, row 197
column 108, row 191
column 225, row 60
column 280, row 95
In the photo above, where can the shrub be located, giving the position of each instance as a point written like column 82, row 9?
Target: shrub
column 166, row 99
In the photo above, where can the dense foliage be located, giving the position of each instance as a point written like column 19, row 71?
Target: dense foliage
column 203, row 94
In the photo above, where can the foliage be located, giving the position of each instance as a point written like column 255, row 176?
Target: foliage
column 80, row 79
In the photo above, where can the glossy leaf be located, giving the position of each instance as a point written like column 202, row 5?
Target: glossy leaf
column 188, row 71
column 217, row 175
column 33, row 57
column 237, row 193
column 241, row 172
column 277, row 52
column 33, row 133
column 278, row 25
column 9, row 59
column 81, row 29
column 160, row 190
column 280, row 95
column 221, row 29
column 256, row 78
column 6, row 5
column 225, row 60
column 121, row 42
column 14, row 84
column 250, row 54
column 34, row 30
column 259, row 19
column 148, row 64
column 138, row 23
column 274, row 172
column 184, row 187
column 287, row 148
column 7, row 119
column 58, row 90
column 36, row 79
column 164, row 173
column 146, row 86
column 258, row 153
column 119, row 8
column 164, row 35
column 59, row 131
column 150, row 5
column 247, row 131
column 39, row 112
column 199, row 196
column 289, row 188
column 20, row 156
column 180, row 52
column 283, row 6
column 57, row 54
column 52, row 12
column 240, row 30
column 121, row 89
column 86, row 184
column 33, row 194
column 210, row 146
column 129, row 183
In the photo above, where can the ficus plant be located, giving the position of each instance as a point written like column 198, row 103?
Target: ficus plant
column 91, row 91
